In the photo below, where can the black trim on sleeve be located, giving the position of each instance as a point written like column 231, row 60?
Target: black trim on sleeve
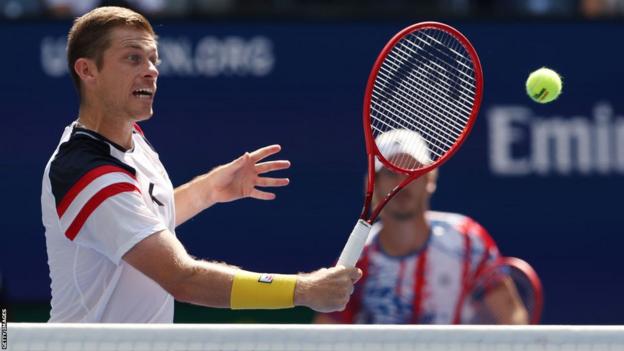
column 76, row 157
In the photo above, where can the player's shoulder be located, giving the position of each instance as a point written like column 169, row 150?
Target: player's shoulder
column 452, row 229
column 448, row 219
column 85, row 154
column 456, row 225
column 85, row 150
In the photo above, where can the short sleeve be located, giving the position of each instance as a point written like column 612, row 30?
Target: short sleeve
column 98, row 198
column 117, row 224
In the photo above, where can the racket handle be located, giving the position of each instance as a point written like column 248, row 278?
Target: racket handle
column 355, row 244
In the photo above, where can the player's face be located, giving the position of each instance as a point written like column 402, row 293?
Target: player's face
column 410, row 201
column 126, row 82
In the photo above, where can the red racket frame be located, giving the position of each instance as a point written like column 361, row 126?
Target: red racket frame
column 371, row 148
column 525, row 268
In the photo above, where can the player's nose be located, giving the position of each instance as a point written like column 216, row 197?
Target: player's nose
column 151, row 71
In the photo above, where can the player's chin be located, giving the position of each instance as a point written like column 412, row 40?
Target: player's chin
column 143, row 114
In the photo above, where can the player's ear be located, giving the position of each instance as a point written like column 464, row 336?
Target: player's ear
column 86, row 69
column 432, row 181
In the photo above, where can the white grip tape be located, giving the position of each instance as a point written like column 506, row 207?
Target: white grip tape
column 354, row 246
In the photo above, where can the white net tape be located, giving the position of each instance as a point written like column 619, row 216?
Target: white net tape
column 27, row 336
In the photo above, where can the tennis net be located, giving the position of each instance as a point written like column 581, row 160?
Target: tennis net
column 32, row 336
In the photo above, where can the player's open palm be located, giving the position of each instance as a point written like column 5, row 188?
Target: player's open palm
column 239, row 178
column 328, row 289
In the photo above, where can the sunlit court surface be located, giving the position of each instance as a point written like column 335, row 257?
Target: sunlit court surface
column 311, row 175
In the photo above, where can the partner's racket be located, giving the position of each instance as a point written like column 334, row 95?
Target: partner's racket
column 512, row 277
column 422, row 98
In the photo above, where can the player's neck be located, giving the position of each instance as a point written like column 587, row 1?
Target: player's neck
column 117, row 130
column 400, row 238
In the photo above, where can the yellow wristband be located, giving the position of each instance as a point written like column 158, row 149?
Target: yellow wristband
column 262, row 291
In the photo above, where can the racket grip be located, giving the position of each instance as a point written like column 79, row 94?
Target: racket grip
column 355, row 244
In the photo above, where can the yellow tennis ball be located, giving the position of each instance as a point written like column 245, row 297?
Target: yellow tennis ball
column 543, row 85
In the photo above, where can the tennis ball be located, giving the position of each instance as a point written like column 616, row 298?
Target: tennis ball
column 543, row 85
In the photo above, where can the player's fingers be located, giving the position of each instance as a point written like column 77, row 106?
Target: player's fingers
column 265, row 181
column 355, row 274
column 270, row 166
column 261, row 195
column 265, row 152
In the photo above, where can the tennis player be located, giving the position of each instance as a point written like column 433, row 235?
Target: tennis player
column 417, row 262
column 110, row 210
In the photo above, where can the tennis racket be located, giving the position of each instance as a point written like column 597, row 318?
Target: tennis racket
column 521, row 282
column 425, row 87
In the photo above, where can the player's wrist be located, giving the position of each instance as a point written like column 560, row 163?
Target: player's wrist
column 302, row 287
column 203, row 195
column 262, row 291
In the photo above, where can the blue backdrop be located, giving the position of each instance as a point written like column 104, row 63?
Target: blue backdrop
column 545, row 180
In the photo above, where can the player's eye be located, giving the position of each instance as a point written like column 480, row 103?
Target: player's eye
column 134, row 58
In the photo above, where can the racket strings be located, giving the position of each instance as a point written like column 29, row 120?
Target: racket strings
column 416, row 81
column 421, row 75
column 426, row 85
column 427, row 123
column 430, row 56
column 418, row 94
column 440, row 138
column 411, row 93
column 449, row 44
column 440, row 91
column 460, row 58
column 432, row 133
column 438, row 145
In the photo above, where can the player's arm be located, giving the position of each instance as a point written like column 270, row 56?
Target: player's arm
column 235, row 180
column 162, row 257
column 504, row 303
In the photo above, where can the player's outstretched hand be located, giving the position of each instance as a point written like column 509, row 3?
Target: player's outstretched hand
column 326, row 290
column 239, row 178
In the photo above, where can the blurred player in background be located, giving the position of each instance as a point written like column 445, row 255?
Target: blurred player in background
column 110, row 210
column 418, row 263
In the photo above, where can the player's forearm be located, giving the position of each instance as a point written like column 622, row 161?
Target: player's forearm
column 506, row 305
column 206, row 284
column 191, row 198
column 219, row 285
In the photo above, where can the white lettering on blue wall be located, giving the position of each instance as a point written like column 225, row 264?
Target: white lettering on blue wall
column 522, row 143
column 231, row 56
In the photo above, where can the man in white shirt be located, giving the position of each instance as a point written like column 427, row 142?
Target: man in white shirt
column 110, row 210
column 418, row 263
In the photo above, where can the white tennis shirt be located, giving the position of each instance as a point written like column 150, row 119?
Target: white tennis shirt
column 98, row 201
column 423, row 287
